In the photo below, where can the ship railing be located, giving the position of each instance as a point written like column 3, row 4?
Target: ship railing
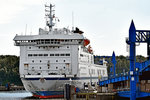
column 24, row 43
column 75, row 42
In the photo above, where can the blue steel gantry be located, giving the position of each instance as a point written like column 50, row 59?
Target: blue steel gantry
column 135, row 36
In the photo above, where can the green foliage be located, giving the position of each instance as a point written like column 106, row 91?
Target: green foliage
column 9, row 70
column 123, row 62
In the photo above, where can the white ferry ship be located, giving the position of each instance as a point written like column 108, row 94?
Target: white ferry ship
column 55, row 57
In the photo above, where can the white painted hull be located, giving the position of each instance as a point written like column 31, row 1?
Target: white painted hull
column 53, row 85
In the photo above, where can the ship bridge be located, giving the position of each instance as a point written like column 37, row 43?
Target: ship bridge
column 48, row 40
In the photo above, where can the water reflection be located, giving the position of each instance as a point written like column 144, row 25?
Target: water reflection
column 14, row 95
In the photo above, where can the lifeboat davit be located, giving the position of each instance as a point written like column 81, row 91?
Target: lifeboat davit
column 86, row 42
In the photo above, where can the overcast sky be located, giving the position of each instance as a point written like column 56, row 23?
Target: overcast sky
column 104, row 22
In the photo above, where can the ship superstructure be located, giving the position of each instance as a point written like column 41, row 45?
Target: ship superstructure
column 56, row 57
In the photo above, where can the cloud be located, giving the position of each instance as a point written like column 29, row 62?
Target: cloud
column 10, row 8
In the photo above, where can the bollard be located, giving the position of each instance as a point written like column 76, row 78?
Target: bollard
column 67, row 91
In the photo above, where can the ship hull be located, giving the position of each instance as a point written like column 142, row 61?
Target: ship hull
column 53, row 87
column 48, row 94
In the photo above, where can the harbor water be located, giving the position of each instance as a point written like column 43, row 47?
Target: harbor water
column 14, row 95
column 23, row 95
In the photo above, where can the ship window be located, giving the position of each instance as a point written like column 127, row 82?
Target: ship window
column 29, row 47
column 33, row 61
column 32, row 67
column 40, row 61
column 56, row 67
column 34, row 54
column 51, row 54
column 67, row 46
column 40, row 54
column 62, row 54
column 39, row 74
column 45, row 54
column 64, row 67
column 56, row 54
column 39, row 47
column 29, row 55
column 48, row 67
column 67, row 54
column 64, row 60
column 81, row 55
column 40, row 67
column 56, row 60
column 26, row 65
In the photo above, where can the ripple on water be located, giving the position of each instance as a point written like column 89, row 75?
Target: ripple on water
column 14, row 95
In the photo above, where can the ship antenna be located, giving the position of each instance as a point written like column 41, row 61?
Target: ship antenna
column 49, row 13
column 26, row 29
column 72, row 21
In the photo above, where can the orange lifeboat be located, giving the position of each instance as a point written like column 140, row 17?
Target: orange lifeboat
column 86, row 42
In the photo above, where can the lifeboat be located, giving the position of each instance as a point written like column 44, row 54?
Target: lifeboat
column 86, row 42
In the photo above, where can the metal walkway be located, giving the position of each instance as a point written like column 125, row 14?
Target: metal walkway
column 140, row 67
column 135, row 36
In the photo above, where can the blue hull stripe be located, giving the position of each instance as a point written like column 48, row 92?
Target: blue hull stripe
column 49, row 93
column 74, row 78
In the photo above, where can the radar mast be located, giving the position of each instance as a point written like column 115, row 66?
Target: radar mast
column 49, row 13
